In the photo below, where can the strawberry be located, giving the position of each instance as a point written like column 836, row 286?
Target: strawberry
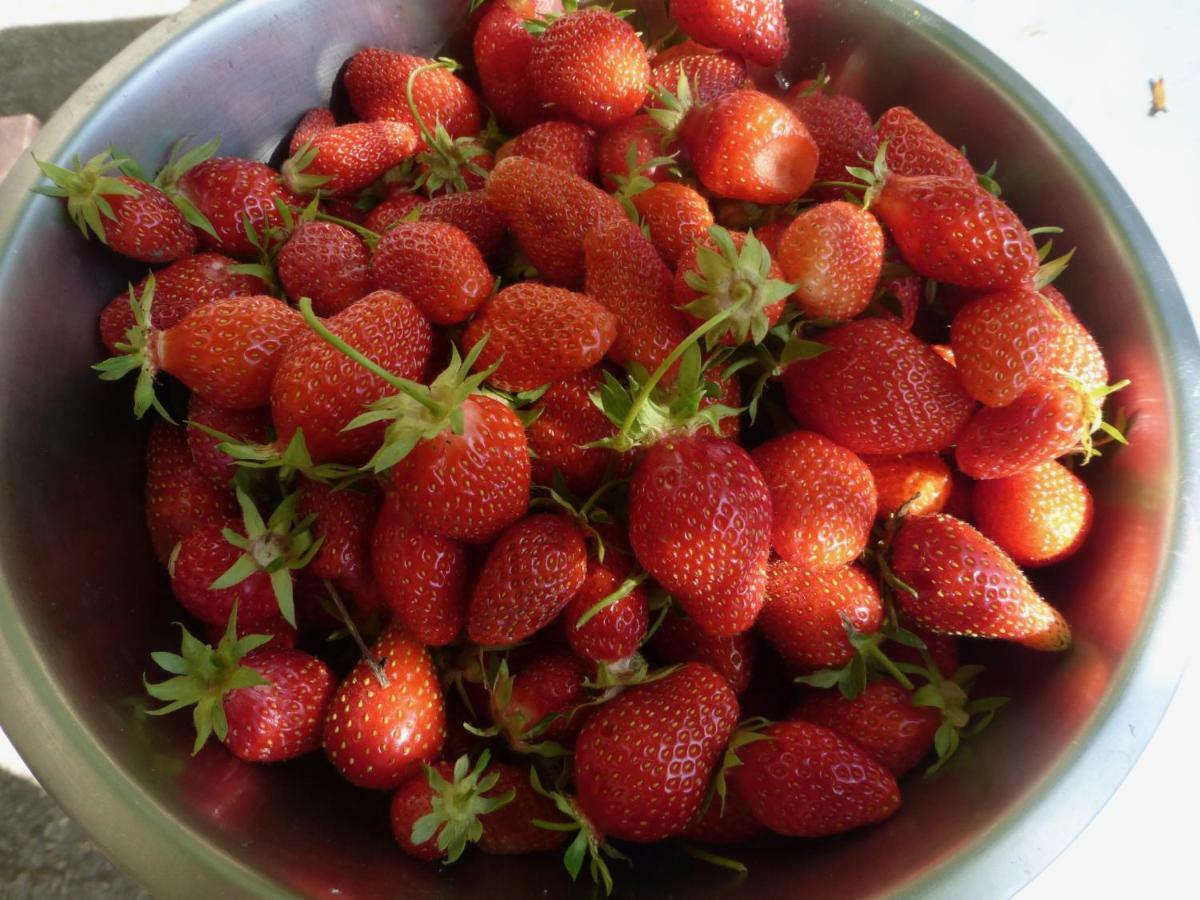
column 394, row 208
column 798, row 782
column 179, row 496
column 471, row 212
column 387, row 717
column 567, row 421
column 1001, row 342
column 413, row 802
column 245, row 425
column 727, row 820
column 347, row 158
column 537, row 703
column 803, row 616
column 179, row 288
column 533, row 334
column 922, row 480
column 643, row 760
column 711, row 73
column 503, row 50
column 833, row 253
column 377, row 79
column 343, row 522
column 959, row 503
column 629, row 148
column 590, row 65
column 551, row 212
column 897, row 299
column 755, row 29
column 1073, row 349
column 282, row 636
column 676, row 217
column 511, row 829
column 327, row 263
column 134, row 218
column 681, row 640
column 436, row 266
column 878, row 390
column 532, row 571
column 423, row 576
column 1038, row 517
column 612, row 633
column 840, row 125
column 916, row 149
column 319, row 390
column 564, row 145
column 234, row 194
column 700, row 524
column 964, row 584
column 316, row 121
column 823, row 497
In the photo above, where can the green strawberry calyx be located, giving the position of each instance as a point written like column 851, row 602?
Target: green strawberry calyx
column 1093, row 416
column 869, row 660
column 136, row 353
column 203, row 676
column 458, row 805
column 179, row 162
column 295, row 171
column 673, row 107
column 287, row 462
column 442, row 164
column 588, row 843
column 634, row 180
column 85, row 188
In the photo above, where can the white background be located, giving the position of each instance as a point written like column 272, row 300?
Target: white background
column 1093, row 61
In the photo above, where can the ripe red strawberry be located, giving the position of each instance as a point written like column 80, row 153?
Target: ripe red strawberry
column 823, row 497
column 700, row 524
column 644, row 760
column 376, row 80
column 840, row 125
column 413, row 801
column 551, row 212
column 282, row 635
column 536, row 704
column 423, row 576
column 347, row 158
column 626, row 274
column 567, row 421
column 967, row 585
column 959, row 504
column 681, row 640
column 327, row 263
column 204, row 556
column 281, row 719
column 510, row 830
column 471, row 212
column 797, row 782
column 615, row 632
column 377, row 735
column 320, row 390
column 1073, row 349
column 392, row 209
column 727, row 820
column 1001, row 343
column 232, row 193
column 564, row 145
column 898, row 300
column 436, row 266
column 803, row 615
column 916, row 149
column 178, row 289
column 251, row 426
column 676, row 217
column 179, row 497
column 537, row 334
column 532, row 571
column 710, row 73
column 637, row 140
column 746, row 145
column 922, row 480
column 755, row 29
column 833, row 253
column 316, row 121
column 503, row 50
column 590, row 65
column 878, row 390
column 344, row 520
column 882, row 720
column 1038, row 517
column 134, row 218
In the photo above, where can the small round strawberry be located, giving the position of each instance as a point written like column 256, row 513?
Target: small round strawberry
column 1038, row 517
column 823, row 497
column 966, row 585
column 532, row 571
column 710, row 73
column 344, row 521
column 388, row 716
column 235, row 193
column 755, row 29
column 878, row 389
column 1073, row 349
column 726, row 820
column 179, row 495
column 807, row 781
column 537, row 703
column 470, row 212
column 840, row 125
column 922, row 480
column 348, row 158
column 1001, row 343
column 413, row 801
column 916, row 149
column 590, row 65
column 612, row 633
column 676, row 216
column 564, row 145
column 503, row 50
column 630, row 148
column 643, row 761
column 376, row 81
column 250, row 426
column 803, row 616
column 567, row 422
column 681, row 640
column 435, row 265
column 833, row 253
column 535, row 334
column 316, row 121
column 327, row 263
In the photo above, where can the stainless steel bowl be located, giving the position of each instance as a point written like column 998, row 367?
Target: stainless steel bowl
column 82, row 602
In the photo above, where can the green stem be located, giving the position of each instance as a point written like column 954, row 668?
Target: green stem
column 412, row 103
column 366, row 234
column 890, row 667
column 600, row 492
column 370, row 659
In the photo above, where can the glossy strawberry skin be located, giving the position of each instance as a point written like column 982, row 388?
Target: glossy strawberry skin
column 470, row 212
column 392, row 209
column 204, row 556
column 914, row 148
column 567, row 421
column 503, row 50
column 878, row 390
column 353, row 156
column 803, row 615
column 922, row 480
column 375, row 80
column 537, row 334
column 676, row 216
column 412, row 800
column 643, row 760
column 1074, row 350
column 229, row 191
column 565, row 145
column 966, row 585
column 509, row 831
column 757, row 29
column 549, row 685
column 246, row 425
column 833, row 252
column 435, row 265
column 344, row 520
column 700, row 523
column 641, row 133
column 680, row 640
column 616, row 632
column 327, row 263
column 147, row 227
column 179, row 496
column 376, row 736
column 531, row 573
column 1038, row 517
column 320, row 390
column 840, row 125
column 807, row 781
column 728, row 822
column 281, row 720
column 316, row 121
column 710, row 74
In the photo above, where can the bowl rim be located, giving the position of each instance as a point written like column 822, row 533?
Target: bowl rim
column 143, row 837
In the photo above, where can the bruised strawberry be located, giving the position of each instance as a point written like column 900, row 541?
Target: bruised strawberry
column 327, row 263
column 250, row 426
column 916, row 149
column 436, row 266
column 676, row 216
column 179, row 496
column 833, row 253
column 567, row 422
column 376, row 81
column 755, row 29
column 564, row 145
column 1038, row 517
column 921, row 480
column 347, row 158
column 681, row 640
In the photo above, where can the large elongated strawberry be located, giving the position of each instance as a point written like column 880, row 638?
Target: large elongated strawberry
column 755, row 29
column 377, row 79
column 567, row 422
column 878, row 389
column 179, row 496
column 388, row 717
column 347, row 158
column 234, row 194
column 327, row 263
column 967, row 585
column 503, row 50
column 1038, row 517
column 833, row 253
column 914, row 148
column 436, row 266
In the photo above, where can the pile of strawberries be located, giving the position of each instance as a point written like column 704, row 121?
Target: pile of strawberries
column 655, row 456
